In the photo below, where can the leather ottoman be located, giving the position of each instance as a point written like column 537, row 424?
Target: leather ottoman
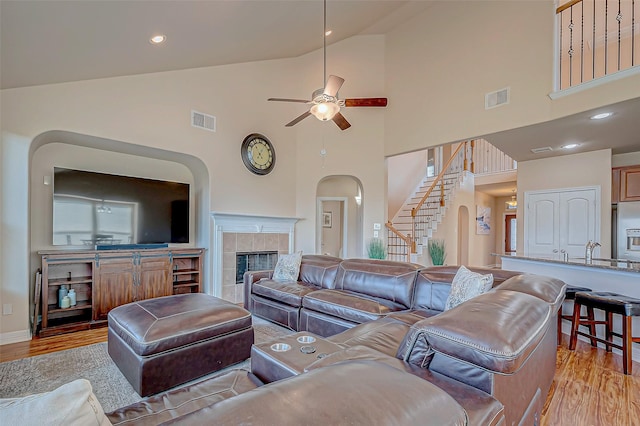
column 163, row 342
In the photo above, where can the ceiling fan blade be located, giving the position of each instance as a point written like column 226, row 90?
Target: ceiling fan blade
column 341, row 121
column 298, row 119
column 334, row 83
column 288, row 100
column 366, row 102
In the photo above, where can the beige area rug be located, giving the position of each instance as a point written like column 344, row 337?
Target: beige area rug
column 46, row 372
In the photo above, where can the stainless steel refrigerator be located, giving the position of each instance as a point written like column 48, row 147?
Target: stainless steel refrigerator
column 627, row 234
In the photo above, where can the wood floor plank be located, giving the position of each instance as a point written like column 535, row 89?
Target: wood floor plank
column 589, row 387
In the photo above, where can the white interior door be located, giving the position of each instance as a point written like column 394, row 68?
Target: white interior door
column 543, row 225
column 577, row 221
column 561, row 221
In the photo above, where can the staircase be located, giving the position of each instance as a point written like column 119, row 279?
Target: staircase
column 409, row 230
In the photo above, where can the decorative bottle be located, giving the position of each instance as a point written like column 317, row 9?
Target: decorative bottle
column 72, row 297
column 62, row 292
column 65, row 302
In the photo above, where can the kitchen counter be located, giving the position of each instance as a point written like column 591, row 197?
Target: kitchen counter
column 620, row 277
column 613, row 264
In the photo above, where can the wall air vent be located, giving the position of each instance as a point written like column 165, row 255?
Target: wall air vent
column 497, row 98
column 541, row 150
column 203, row 121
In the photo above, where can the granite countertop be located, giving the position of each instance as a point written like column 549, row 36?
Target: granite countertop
column 612, row 264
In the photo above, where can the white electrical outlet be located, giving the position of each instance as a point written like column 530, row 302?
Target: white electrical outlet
column 375, row 234
column 7, row 309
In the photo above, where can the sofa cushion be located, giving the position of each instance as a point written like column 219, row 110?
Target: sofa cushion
column 369, row 393
column 349, row 305
column 184, row 400
column 319, row 270
column 466, row 285
column 72, row 404
column 288, row 267
column 378, row 278
column 551, row 290
column 434, row 283
column 496, row 331
column 383, row 335
column 357, row 353
column 289, row 292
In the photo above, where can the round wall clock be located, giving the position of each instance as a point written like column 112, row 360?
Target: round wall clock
column 258, row 154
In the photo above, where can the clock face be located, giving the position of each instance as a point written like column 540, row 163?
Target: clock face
column 258, row 154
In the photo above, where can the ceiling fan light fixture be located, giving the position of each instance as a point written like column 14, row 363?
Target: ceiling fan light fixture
column 324, row 111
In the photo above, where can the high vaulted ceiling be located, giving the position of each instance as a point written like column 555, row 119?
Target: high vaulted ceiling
column 55, row 41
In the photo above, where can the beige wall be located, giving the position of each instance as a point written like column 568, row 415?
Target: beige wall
column 569, row 171
column 152, row 111
column 404, row 174
column 441, row 64
column 629, row 159
column 357, row 151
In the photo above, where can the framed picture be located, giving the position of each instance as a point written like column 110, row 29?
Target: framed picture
column 483, row 220
column 326, row 219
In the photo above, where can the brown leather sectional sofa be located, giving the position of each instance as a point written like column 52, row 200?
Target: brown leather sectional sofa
column 333, row 295
column 401, row 359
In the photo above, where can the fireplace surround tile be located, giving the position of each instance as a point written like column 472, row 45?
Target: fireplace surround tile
column 245, row 233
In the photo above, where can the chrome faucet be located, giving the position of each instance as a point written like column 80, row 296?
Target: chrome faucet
column 588, row 254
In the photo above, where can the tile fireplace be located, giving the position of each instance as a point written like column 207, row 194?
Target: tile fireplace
column 236, row 235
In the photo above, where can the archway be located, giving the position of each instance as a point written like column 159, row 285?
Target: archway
column 339, row 210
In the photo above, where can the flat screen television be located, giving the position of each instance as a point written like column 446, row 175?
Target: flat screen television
column 99, row 209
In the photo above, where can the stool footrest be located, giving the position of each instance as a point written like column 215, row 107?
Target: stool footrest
column 606, row 342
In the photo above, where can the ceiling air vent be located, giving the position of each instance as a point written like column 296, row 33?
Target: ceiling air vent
column 497, row 98
column 541, row 150
column 203, row 121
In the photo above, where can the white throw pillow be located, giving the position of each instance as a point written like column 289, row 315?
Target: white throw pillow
column 467, row 284
column 73, row 404
column 288, row 267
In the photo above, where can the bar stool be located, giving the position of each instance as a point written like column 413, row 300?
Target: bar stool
column 570, row 294
column 610, row 303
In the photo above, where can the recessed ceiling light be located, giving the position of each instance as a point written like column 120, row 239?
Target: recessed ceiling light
column 601, row 115
column 328, row 33
column 570, row 146
column 157, row 39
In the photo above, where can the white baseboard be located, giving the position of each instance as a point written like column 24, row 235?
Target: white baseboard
column 15, row 337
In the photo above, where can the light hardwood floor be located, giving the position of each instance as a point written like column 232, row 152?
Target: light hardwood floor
column 588, row 389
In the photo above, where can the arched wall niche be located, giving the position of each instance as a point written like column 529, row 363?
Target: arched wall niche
column 341, row 196
column 193, row 169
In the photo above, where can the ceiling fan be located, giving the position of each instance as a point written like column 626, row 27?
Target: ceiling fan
column 325, row 104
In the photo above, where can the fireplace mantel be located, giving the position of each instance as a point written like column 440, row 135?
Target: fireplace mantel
column 244, row 223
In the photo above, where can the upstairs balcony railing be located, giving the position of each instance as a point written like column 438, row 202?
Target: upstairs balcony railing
column 597, row 38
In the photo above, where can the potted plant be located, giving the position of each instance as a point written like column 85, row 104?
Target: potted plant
column 437, row 251
column 377, row 249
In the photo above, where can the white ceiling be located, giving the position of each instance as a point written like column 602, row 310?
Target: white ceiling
column 51, row 41
column 55, row 41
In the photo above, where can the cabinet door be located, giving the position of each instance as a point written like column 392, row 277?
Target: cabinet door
column 155, row 278
column 115, row 286
column 543, row 224
column 630, row 184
